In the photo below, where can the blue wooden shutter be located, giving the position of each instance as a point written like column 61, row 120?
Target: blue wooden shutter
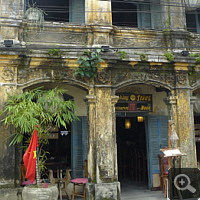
column 79, row 146
column 77, row 164
column 144, row 16
column 156, row 17
column 157, row 139
column 84, row 138
column 77, row 11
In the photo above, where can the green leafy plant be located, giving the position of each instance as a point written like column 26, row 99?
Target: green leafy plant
column 26, row 33
column 198, row 59
column 54, row 52
column 169, row 56
column 166, row 30
column 193, row 55
column 46, row 109
column 123, row 53
column 89, row 65
column 143, row 57
column 136, row 53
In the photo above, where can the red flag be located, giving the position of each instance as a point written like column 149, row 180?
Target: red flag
column 29, row 157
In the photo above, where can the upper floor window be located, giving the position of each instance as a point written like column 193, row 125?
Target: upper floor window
column 141, row 14
column 193, row 20
column 60, row 10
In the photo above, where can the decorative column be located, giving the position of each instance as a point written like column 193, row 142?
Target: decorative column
column 174, row 15
column 98, row 12
column 98, row 16
column 182, row 116
column 9, row 155
column 102, row 149
column 90, row 100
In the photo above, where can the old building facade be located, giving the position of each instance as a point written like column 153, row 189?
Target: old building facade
column 135, row 36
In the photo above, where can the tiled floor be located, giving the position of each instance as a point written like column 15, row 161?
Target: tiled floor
column 133, row 191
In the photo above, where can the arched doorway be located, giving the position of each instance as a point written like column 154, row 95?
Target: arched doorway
column 196, row 109
column 67, row 148
column 139, row 143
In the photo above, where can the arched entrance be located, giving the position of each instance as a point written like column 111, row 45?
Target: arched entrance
column 141, row 130
column 196, row 109
column 67, row 148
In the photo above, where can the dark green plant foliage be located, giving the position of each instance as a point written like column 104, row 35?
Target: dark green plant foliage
column 37, row 107
column 123, row 53
column 54, row 52
column 193, row 55
column 198, row 59
column 143, row 57
column 89, row 65
column 169, row 56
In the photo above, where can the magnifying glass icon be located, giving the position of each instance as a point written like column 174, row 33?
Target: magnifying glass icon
column 187, row 187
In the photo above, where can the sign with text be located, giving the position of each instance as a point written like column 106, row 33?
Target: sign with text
column 134, row 103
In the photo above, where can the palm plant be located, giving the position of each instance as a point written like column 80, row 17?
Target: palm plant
column 43, row 108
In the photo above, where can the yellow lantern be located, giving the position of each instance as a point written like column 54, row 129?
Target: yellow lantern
column 127, row 124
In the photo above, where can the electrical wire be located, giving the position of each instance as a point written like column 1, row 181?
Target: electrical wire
column 111, row 48
column 60, row 10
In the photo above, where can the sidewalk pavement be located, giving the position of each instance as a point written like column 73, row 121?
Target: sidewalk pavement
column 131, row 190
column 134, row 191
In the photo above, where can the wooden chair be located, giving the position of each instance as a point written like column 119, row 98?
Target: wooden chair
column 61, row 182
column 163, row 173
column 144, row 166
column 80, row 182
column 128, row 162
column 141, row 165
column 22, row 173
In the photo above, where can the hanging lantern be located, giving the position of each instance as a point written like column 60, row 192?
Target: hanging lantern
column 127, row 124
column 140, row 119
column 173, row 136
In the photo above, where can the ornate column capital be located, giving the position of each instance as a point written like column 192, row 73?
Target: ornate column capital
column 89, row 99
column 114, row 99
column 192, row 99
column 172, row 100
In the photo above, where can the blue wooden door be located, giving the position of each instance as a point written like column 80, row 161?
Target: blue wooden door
column 79, row 146
column 157, row 139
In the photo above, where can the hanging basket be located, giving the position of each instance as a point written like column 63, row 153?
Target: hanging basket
column 33, row 14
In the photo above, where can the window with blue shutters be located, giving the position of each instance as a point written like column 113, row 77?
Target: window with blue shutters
column 60, row 10
column 193, row 20
column 140, row 14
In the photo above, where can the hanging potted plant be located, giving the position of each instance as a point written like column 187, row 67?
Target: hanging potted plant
column 46, row 110
column 36, row 16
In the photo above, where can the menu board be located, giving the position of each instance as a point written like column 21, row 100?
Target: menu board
column 134, row 102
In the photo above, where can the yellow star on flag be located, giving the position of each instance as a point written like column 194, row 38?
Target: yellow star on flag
column 34, row 154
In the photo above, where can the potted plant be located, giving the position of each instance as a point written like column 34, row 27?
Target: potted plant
column 46, row 109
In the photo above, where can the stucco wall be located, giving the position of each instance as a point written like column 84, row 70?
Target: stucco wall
column 73, row 91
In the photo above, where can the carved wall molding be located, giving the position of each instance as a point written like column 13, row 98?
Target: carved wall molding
column 103, row 76
column 181, row 78
column 143, row 77
column 7, row 74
